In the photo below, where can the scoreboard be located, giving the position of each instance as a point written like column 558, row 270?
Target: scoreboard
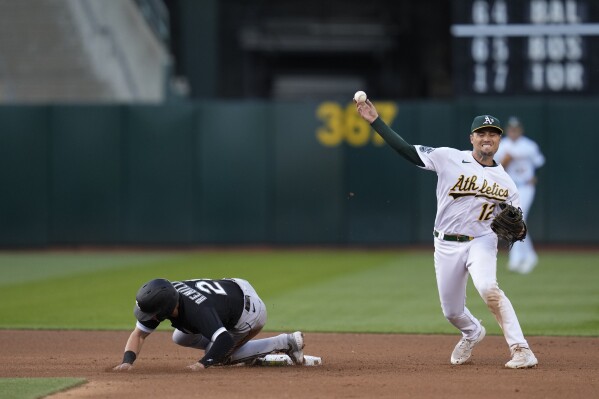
column 525, row 47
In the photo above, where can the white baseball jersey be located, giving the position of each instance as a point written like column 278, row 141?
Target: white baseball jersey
column 467, row 192
column 526, row 158
column 467, row 198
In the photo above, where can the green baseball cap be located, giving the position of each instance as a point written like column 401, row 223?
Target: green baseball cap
column 486, row 121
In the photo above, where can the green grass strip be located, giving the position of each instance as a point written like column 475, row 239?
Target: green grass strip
column 23, row 267
column 32, row 388
column 312, row 290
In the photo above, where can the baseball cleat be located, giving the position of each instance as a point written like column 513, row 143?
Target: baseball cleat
column 522, row 358
column 528, row 264
column 463, row 350
column 295, row 341
column 513, row 267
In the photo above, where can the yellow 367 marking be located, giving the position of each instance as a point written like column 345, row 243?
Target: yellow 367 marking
column 344, row 124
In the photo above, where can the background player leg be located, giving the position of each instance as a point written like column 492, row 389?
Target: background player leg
column 530, row 256
column 522, row 257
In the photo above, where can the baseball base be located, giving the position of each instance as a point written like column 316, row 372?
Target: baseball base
column 284, row 360
column 312, row 360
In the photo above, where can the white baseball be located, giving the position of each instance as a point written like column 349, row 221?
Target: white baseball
column 360, row 96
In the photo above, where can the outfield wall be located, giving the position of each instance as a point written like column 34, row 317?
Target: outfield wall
column 266, row 173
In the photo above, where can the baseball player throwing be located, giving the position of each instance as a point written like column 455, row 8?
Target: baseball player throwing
column 219, row 317
column 470, row 187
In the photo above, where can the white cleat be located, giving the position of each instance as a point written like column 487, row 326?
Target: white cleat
column 522, row 358
column 463, row 350
column 514, row 267
column 528, row 265
column 296, row 346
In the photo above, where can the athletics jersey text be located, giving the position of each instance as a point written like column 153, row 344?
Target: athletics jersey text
column 467, row 186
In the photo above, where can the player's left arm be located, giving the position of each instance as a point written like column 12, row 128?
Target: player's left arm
column 503, row 156
column 538, row 159
column 132, row 349
column 506, row 160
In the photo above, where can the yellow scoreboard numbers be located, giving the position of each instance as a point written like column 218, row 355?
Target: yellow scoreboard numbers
column 342, row 124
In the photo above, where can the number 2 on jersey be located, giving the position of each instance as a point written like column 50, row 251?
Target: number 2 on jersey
column 487, row 211
column 210, row 287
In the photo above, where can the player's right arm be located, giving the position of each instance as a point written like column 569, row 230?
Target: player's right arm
column 132, row 349
column 405, row 149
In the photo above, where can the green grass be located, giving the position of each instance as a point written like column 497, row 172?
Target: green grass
column 26, row 388
column 312, row 290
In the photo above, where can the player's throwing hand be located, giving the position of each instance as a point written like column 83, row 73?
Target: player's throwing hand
column 367, row 111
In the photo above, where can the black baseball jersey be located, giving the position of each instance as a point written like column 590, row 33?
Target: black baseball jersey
column 205, row 306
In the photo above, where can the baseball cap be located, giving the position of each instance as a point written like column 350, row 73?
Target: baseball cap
column 486, row 121
column 513, row 121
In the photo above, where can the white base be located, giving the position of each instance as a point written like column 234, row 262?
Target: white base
column 284, row 360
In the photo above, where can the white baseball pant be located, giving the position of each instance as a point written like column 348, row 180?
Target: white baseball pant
column 454, row 261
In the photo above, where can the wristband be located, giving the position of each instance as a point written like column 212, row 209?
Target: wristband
column 129, row 357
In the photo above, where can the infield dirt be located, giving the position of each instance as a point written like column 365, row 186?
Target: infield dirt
column 354, row 366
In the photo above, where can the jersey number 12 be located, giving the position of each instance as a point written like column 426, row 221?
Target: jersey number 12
column 487, row 211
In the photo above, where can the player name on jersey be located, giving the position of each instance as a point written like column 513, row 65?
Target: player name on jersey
column 189, row 292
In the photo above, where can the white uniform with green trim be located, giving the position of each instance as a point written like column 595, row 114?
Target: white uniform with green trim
column 467, row 198
column 526, row 158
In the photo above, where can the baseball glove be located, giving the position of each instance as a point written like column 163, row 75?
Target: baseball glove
column 509, row 224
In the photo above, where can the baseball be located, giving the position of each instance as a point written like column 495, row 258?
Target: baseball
column 360, row 96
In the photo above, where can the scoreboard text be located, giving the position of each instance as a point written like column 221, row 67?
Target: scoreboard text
column 526, row 46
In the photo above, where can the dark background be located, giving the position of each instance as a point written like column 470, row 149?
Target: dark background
column 241, row 160
column 289, row 50
column 312, row 48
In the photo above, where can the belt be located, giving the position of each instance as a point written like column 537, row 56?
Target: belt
column 448, row 237
column 248, row 303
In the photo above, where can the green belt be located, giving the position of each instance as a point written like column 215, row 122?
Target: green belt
column 447, row 237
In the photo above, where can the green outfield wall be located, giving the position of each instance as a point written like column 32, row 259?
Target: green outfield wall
column 266, row 173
